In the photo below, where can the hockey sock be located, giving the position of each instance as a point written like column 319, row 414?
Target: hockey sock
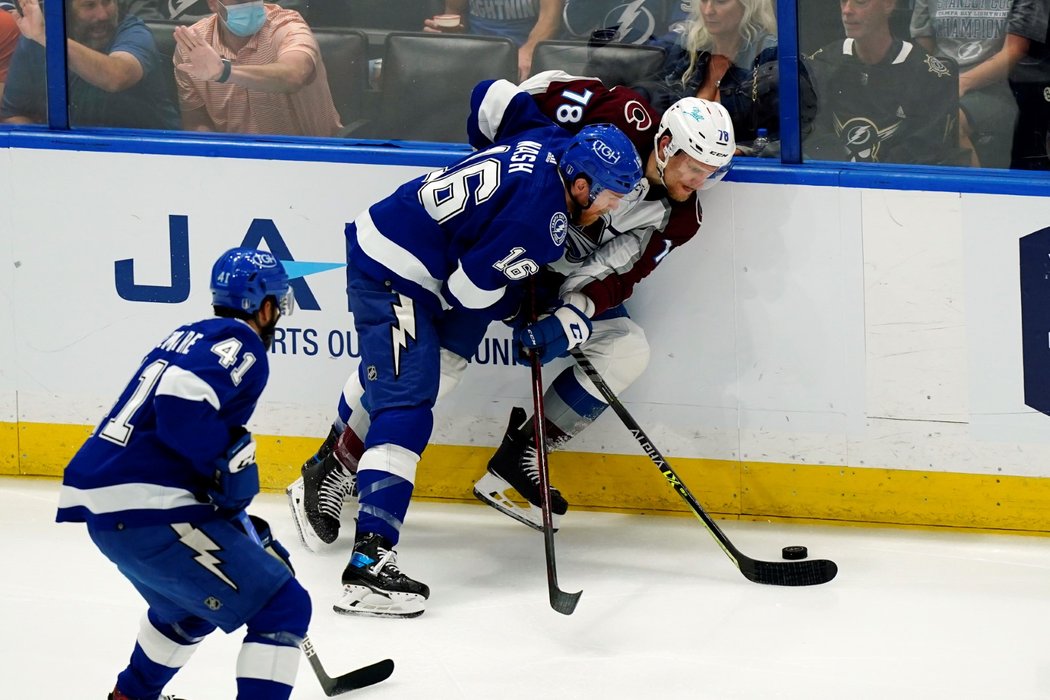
column 568, row 408
column 268, row 661
column 386, row 475
column 161, row 649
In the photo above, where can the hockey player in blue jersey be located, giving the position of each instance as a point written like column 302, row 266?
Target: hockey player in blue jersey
column 428, row 269
column 162, row 481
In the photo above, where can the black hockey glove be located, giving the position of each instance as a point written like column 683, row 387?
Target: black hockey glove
column 266, row 540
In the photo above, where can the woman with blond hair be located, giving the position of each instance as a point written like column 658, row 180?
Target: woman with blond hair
column 724, row 42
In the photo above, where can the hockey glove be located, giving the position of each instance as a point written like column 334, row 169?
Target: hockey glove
column 266, row 540
column 553, row 335
column 236, row 478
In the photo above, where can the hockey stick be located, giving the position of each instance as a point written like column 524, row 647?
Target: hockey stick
column 353, row 680
column 776, row 573
column 562, row 602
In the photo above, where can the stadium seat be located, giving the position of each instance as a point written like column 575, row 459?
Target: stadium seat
column 164, row 36
column 614, row 64
column 345, row 55
column 426, row 83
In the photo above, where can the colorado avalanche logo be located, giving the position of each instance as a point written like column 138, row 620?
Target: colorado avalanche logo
column 559, row 228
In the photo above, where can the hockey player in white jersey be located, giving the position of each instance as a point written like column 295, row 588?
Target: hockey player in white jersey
column 163, row 482
column 688, row 148
column 428, row 269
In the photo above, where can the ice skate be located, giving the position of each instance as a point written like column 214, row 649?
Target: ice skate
column 316, row 500
column 373, row 585
column 117, row 695
column 513, row 476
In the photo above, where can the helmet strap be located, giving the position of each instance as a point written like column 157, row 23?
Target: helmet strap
column 661, row 163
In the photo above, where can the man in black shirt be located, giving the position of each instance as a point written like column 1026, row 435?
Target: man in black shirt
column 880, row 99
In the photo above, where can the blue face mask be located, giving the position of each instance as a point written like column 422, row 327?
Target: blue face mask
column 245, row 19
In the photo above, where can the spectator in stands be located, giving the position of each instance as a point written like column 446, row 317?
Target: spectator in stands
column 986, row 40
column 725, row 42
column 881, row 99
column 253, row 68
column 189, row 11
column 8, row 40
column 525, row 22
column 114, row 70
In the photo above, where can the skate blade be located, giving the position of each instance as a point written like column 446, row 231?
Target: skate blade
column 493, row 491
column 364, row 602
column 296, row 503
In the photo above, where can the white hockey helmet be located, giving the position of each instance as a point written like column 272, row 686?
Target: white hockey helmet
column 702, row 130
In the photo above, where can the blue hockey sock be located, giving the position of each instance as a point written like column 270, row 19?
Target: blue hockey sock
column 385, row 478
column 269, row 657
column 161, row 649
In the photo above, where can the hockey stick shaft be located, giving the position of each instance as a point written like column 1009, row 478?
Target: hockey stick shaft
column 358, row 678
column 560, row 600
column 795, row 573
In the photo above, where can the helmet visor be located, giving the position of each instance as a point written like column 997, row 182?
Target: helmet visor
column 715, row 177
column 286, row 302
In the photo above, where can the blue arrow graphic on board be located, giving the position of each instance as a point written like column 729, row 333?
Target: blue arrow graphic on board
column 297, row 268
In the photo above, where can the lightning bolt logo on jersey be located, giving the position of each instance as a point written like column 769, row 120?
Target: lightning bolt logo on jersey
column 403, row 329
column 199, row 542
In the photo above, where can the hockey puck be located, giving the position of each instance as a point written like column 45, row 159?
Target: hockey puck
column 794, row 552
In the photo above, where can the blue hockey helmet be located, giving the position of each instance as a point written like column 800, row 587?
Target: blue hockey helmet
column 606, row 157
column 243, row 277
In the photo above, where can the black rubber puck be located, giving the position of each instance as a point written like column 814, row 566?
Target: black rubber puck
column 794, row 552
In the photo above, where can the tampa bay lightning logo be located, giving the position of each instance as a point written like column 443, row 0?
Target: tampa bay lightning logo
column 559, row 227
column 937, row 67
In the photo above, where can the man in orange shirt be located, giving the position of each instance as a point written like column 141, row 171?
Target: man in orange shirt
column 253, row 68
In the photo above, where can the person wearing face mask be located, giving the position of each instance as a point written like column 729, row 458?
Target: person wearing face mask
column 167, row 476
column 253, row 68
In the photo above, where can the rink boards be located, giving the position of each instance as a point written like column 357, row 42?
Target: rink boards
column 819, row 353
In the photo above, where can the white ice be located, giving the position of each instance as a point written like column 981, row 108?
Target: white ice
column 664, row 613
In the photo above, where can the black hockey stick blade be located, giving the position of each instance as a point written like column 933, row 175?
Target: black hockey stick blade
column 354, row 680
column 563, row 602
column 786, row 573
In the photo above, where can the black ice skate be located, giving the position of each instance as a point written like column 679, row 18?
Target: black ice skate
column 513, row 475
column 117, row 695
column 317, row 497
column 374, row 586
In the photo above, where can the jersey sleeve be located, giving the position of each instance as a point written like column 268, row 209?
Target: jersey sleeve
column 573, row 102
column 487, row 270
column 200, row 403
column 500, row 110
column 609, row 275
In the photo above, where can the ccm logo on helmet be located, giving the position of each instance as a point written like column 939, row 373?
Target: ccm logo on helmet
column 603, row 151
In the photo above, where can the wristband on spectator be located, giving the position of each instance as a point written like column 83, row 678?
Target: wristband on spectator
column 227, row 68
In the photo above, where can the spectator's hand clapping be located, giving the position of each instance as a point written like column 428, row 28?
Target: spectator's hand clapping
column 204, row 63
column 31, row 21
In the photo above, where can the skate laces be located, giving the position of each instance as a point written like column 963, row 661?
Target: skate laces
column 530, row 464
column 335, row 487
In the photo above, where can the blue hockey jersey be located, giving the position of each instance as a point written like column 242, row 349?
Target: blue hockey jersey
column 152, row 458
column 460, row 237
